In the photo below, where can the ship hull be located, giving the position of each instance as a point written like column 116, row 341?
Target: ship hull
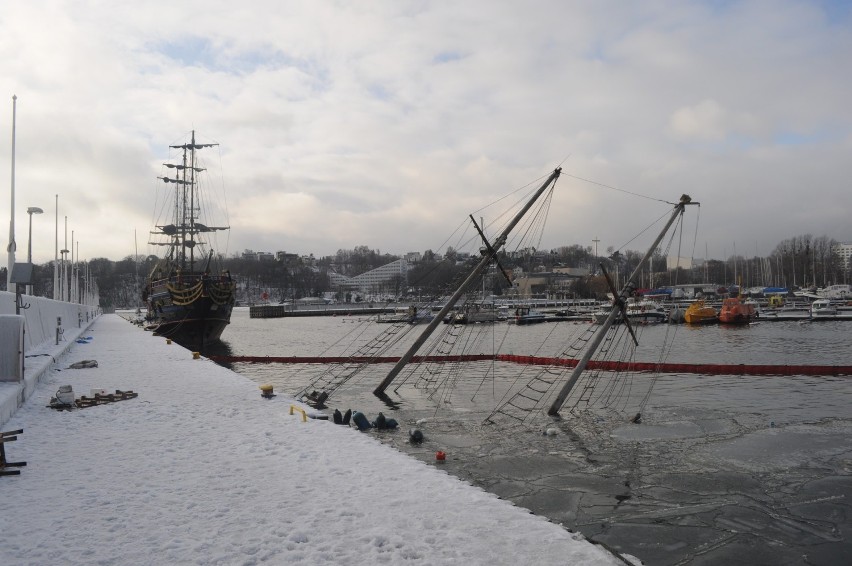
column 193, row 311
column 194, row 328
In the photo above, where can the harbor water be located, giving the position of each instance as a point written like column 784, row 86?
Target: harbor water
column 716, row 469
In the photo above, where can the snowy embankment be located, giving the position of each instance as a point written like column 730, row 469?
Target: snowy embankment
column 199, row 468
column 50, row 329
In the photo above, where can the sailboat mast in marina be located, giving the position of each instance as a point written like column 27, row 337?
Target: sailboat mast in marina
column 489, row 255
column 186, row 300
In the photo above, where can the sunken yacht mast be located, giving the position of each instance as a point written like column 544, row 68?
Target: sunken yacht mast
column 489, row 253
column 618, row 308
column 185, row 299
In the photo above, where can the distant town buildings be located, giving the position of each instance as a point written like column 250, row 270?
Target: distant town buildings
column 413, row 257
column 283, row 257
column 287, row 259
column 257, row 256
column 392, row 277
column 556, row 283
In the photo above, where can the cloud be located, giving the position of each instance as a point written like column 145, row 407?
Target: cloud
column 704, row 121
column 387, row 124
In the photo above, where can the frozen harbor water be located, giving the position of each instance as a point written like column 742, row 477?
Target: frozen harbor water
column 709, row 488
column 721, row 470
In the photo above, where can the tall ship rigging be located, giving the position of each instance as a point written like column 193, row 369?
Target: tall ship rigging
column 188, row 298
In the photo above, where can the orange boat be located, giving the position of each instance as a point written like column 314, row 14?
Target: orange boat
column 735, row 311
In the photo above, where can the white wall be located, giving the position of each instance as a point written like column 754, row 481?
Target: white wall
column 42, row 314
column 40, row 336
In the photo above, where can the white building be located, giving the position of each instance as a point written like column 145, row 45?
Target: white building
column 844, row 252
column 257, row 256
column 373, row 280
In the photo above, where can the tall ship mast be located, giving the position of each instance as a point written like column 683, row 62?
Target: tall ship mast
column 188, row 298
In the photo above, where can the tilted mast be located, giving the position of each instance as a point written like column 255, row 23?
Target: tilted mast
column 626, row 291
column 488, row 255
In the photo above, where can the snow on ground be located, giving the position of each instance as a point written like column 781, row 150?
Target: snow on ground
column 199, row 469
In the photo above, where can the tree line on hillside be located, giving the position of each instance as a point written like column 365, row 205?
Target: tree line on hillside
column 799, row 262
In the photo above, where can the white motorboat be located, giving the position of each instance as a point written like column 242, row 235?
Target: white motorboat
column 643, row 311
column 822, row 308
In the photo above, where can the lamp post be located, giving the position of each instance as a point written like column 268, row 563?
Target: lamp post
column 63, row 284
column 594, row 265
column 31, row 210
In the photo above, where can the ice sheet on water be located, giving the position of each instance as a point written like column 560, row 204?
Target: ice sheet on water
column 777, row 448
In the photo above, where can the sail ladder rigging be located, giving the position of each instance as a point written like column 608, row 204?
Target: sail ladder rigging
column 489, row 255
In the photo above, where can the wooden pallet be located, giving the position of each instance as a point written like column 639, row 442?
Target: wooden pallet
column 98, row 399
column 84, row 402
column 5, row 437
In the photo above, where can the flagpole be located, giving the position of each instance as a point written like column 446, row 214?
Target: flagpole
column 12, row 245
column 64, row 287
column 72, row 283
column 56, row 253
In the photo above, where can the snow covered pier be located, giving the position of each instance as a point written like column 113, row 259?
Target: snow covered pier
column 199, row 468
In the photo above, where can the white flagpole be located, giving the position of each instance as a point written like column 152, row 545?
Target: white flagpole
column 56, row 254
column 72, row 287
column 65, row 294
column 12, row 245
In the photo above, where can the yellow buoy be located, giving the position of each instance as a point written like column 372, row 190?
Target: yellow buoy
column 196, row 355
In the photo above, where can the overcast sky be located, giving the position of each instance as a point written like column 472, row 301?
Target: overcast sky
column 386, row 123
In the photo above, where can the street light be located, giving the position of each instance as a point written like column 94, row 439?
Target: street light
column 31, row 210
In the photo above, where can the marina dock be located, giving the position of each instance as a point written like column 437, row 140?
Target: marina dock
column 288, row 310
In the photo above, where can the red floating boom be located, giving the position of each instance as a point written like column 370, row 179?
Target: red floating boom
column 346, row 359
column 704, row 369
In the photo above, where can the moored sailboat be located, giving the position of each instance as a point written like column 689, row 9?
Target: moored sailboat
column 187, row 299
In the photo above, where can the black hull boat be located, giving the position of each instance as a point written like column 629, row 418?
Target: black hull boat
column 186, row 300
column 192, row 313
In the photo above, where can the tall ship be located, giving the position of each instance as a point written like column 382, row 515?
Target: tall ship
column 188, row 298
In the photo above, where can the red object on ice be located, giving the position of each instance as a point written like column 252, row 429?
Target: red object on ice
column 440, row 456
